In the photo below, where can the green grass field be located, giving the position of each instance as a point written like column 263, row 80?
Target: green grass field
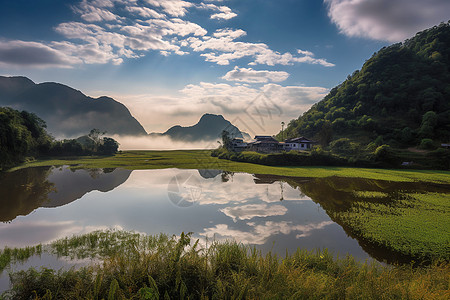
column 201, row 159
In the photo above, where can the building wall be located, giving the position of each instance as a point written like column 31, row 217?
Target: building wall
column 297, row 146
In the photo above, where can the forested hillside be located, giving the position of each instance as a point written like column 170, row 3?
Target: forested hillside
column 400, row 97
column 21, row 134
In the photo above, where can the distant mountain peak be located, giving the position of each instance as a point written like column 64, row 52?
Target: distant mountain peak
column 208, row 128
column 208, row 117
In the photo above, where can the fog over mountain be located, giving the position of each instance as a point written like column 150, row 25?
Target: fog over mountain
column 68, row 112
column 208, row 128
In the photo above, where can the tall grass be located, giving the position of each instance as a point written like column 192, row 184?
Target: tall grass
column 12, row 255
column 162, row 267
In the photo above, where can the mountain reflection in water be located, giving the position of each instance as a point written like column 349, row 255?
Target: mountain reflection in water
column 23, row 191
column 270, row 212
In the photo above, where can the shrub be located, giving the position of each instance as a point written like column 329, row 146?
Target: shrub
column 427, row 144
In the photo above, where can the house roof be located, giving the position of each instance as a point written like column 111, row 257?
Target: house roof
column 265, row 138
column 301, row 139
column 264, row 142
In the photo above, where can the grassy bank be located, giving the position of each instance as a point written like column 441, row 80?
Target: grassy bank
column 416, row 225
column 160, row 267
column 201, row 159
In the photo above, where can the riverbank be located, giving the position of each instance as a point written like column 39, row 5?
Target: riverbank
column 135, row 266
column 201, row 159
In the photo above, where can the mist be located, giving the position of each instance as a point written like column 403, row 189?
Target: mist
column 161, row 143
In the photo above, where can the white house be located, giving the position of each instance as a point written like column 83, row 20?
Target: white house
column 300, row 143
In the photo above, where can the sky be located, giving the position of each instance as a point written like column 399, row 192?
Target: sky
column 256, row 62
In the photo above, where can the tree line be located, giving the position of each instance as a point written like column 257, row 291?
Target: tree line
column 23, row 134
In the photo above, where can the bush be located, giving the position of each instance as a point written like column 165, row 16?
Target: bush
column 385, row 155
column 427, row 144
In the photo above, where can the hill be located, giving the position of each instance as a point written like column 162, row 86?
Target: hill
column 208, row 128
column 400, row 97
column 66, row 111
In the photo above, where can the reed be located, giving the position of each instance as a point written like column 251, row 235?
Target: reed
column 161, row 267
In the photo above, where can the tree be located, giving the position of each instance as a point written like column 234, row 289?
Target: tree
column 326, row 133
column 96, row 135
column 21, row 134
column 109, row 146
column 429, row 122
column 226, row 141
column 384, row 154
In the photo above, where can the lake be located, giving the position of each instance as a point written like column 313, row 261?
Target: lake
column 272, row 213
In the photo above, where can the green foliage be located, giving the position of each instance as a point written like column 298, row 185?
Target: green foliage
column 318, row 157
column 427, row 144
column 225, row 270
column 400, row 94
column 226, row 140
column 385, row 155
column 109, row 146
column 429, row 122
column 21, row 134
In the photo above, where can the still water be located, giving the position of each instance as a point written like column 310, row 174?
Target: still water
column 39, row 205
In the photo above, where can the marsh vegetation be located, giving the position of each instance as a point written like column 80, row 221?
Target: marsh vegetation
column 135, row 266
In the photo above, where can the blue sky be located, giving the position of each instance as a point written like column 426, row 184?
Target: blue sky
column 257, row 62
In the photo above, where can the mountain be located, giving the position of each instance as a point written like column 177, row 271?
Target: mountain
column 66, row 111
column 208, row 128
column 400, row 97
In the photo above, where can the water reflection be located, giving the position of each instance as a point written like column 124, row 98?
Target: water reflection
column 271, row 212
column 23, row 191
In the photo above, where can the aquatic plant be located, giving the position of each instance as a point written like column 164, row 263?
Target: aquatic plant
column 161, row 267
column 414, row 224
column 12, row 255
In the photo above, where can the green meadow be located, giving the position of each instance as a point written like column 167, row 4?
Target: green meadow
column 135, row 266
column 201, row 159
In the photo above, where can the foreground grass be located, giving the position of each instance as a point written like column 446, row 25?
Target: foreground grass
column 159, row 267
column 414, row 224
column 201, row 159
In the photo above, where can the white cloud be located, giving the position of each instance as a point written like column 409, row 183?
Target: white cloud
column 145, row 12
column 229, row 33
column 176, row 8
column 253, row 76
column 92, row 53
column 33, row 54
column 260, row 233
column 223, row 12
column 112, row 30
column 255, row 110
column 250, row 211
column 178, row 27
column 95, row 12
column 237, row 102
column 226, row 49
column 386, row 20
